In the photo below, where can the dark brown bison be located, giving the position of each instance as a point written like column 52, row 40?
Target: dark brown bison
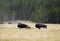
column 20, row 25
column 40, row 26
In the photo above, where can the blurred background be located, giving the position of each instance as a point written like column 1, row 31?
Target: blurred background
column 44, row 11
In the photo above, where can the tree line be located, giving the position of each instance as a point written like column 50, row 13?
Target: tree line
column 46, row 11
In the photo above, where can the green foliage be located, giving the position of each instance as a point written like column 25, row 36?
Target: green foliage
column 1, row 6
column 34, row 10
column 1, row 19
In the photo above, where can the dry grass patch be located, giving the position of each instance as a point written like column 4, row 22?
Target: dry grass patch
column 10, row 32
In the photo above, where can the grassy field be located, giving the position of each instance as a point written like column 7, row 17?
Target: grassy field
column 10, row 32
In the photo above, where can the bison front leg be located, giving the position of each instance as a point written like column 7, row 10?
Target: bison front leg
column 38, row 28
column 46, row 27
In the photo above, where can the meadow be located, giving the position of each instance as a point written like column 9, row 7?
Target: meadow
column 10, row 32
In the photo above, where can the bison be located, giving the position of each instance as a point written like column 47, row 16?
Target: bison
column 21, row 25
column 40, row 26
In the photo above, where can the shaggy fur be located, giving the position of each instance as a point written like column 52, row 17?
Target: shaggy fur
column 20, row 25
column 40, row 26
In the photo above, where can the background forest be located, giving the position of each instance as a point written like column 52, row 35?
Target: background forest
column 46, row 11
